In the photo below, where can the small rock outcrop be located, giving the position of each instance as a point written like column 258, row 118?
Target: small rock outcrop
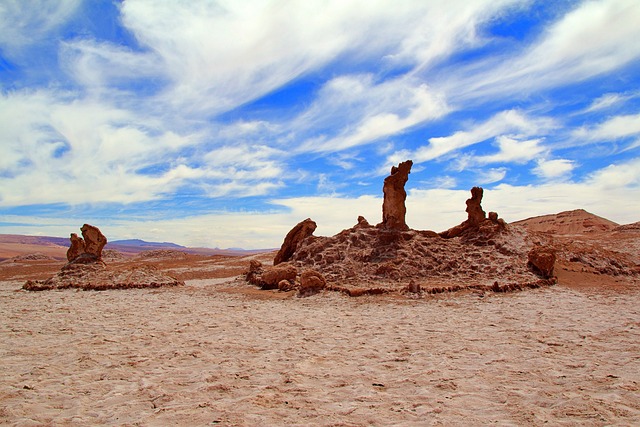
column 87, row 270
column 297, row 234
column 393, row 206
column 476, row 218
column 311, row 282
column 272, row 277
column 77, row 247
column 88, row 248
column 542, row 260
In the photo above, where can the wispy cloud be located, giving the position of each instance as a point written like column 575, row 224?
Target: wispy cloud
column 507, row 125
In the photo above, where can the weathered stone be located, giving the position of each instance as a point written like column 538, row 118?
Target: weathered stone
column 311, row 282
column 94, row 241
column 272, row 276
column 254, row 273
column 286, row 286
column 414, row 287
column 393, row 205
column 77, row 247
column 474, row 208
column 475, row 216
column 542, row 260
column 301, row 231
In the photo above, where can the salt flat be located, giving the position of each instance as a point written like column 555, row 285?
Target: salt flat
column 214, row 354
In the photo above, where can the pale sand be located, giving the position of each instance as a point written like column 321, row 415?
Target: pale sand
column 202, row 356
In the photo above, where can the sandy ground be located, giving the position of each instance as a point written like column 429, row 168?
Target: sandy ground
column 212, row 353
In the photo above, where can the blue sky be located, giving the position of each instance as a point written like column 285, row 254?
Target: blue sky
column 224, row 123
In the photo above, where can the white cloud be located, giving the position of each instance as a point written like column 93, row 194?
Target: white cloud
column 594, row 38
column 513, row 151
column 23, row 23
column 610, row 130
column 605, row 101
column 366, row 111
column 512, row 124
column 612, row 192
column 554, row 169
column 491, row 175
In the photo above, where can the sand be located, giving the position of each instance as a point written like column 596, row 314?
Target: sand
column 214, row 353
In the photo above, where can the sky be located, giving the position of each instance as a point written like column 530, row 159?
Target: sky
column 225, row 123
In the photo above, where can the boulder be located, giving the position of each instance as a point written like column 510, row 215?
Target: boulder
column 393, row 204
column 94, row 240
column 77, row 247
column 301, row 231
column 542, row 260
column 311, row 282
column 271, row 277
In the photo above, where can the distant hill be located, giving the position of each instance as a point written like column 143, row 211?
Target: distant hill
column 12, row 245
column 573, row 222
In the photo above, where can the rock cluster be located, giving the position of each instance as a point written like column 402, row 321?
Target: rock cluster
column 482, row 253
column 87, row 270
column 88, row 248
column 284, row 277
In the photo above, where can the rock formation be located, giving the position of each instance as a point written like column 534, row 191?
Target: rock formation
column 542, row 260
column 94, row 240
column 272, row 277
column 297, row 234
column 311, row 282
column 77, row 247
column 88, row 248
column 476, row 218
column 393, row 207
column 86, row 269
column 482, row 254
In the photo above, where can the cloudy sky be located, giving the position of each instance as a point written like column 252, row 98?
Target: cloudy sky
column 224, row 123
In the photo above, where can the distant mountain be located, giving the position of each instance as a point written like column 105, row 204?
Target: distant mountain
column 573, row 222
column 144, row 244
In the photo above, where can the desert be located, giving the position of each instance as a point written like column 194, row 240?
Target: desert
column 222, row 344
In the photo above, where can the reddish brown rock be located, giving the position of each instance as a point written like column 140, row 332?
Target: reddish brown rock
column 254, row 273
column 414, row 287
column 393, row 207
column 272, row 276
column 474, row 208
column 301, row 231
column 542, row 260
column 475, row 216
column 286, row 286
column 94, row 240
column 311, row 282
column 77, row 247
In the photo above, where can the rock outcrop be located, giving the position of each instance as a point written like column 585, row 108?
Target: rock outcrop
column 297, row 234
column 542, row 260
column 88, row 248
column 311, row 282
column 476, row 217
column 87, row 270
column 482, row 254
column 393, row 206
column 77, row 247
column 272, row 277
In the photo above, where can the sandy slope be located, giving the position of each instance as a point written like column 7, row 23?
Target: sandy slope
column 214, row 354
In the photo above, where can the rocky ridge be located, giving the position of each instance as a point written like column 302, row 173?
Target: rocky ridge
column 483, row 253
